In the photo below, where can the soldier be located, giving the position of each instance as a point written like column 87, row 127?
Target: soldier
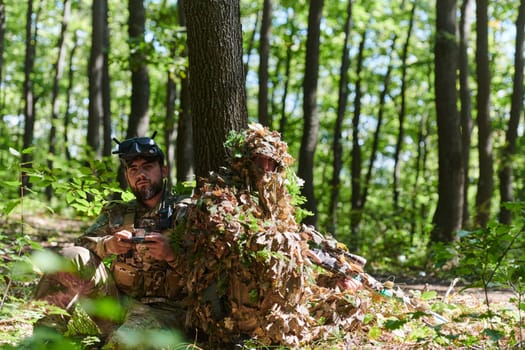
column 134, row 236
column 248, row 260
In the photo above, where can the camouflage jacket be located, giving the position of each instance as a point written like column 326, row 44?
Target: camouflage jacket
column 135, row 274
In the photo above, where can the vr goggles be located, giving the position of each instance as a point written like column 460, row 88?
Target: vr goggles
column 138, row 147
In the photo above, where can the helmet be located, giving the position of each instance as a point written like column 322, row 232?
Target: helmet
column 144, row 147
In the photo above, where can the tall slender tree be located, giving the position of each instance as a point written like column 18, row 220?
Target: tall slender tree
column 516, row 109
column 96, row 74
column 216, row 78
column 283, row 121
column 69, row 93
column 264, row 56
column 29, row 98
column 138, row 122
column 311, row 119
column 402, row 108
column 486, row 166
column 466, row 100
column 2, row 36
column 55, row 105
column 448, row 215
column 356, row 165
column 337, row 147
column 185, row 160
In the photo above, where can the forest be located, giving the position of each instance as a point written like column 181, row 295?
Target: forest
column 405, row 119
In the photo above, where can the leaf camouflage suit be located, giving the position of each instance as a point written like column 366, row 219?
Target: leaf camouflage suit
column 247, row 261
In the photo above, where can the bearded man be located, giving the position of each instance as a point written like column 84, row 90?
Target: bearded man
column 132, row 237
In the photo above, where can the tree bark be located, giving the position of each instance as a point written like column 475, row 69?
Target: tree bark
column 264, row 55
column 311, row 119
column 96, row 74
column 356, row 165
column 448, row 215
column 29, row 100
column 486, row 166
column 69, row 92
column 466, row 101
column 184, row 161
column 516, row 109
column 2, row 36
column 216, row 78
column 138, row 122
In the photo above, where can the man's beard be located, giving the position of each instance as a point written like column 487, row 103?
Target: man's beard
column 145, row 193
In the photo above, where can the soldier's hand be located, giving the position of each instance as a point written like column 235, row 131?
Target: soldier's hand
column 158, row 247
column 119, row 243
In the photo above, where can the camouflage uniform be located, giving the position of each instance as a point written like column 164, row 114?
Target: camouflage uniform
column 150, row 288
column 247, row 258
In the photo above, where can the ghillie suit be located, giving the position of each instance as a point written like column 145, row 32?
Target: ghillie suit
column 248, row 261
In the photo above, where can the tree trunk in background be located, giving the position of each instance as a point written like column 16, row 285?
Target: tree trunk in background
column 466, row 100
column 286, row 77
column 2, row 36
column 311, row 119
column 264, row 55
column 216, row 73
column 516, row 109
column 170, row 133
column 96, row 74
column 59, row 70
column 106, row 88
column 29, row 100
column 69, row 92
column 377, row 132
column 486, row 166
column 449, row 212
column 138, row 122
column 250, row 45
column 337, row 148
column 402, row 110
column 355, row 161
column 185, row 161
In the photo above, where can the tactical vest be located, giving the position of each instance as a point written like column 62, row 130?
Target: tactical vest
column 135, row 274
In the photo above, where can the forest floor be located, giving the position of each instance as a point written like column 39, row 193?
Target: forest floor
column 55, row 233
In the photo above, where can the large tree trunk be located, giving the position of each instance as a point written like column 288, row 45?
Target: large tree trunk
column 516, row 109
column 185, row 161
column 486, row 167
column 55, row 105
column 448, row 216
column 466, row 101
column 311, row 119
column 264, row 56
column 337, row 148
column 138, row 122
column 218, row 95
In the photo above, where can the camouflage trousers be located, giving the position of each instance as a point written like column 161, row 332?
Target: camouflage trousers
column 90, row 279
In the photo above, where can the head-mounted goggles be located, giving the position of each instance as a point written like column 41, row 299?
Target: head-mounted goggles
column 138, row 147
